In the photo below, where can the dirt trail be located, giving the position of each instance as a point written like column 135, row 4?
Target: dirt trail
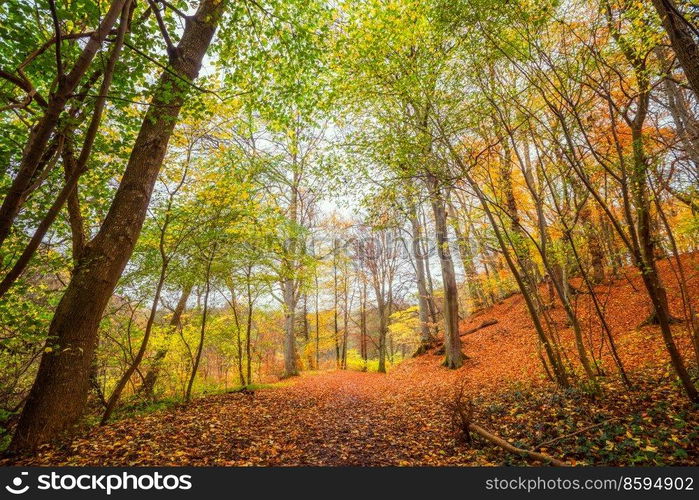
column 331, row 418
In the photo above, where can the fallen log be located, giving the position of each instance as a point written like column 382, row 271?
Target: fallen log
column 534, row 455
column 462, row 409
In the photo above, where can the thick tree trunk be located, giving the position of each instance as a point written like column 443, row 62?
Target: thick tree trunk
column 57, row 398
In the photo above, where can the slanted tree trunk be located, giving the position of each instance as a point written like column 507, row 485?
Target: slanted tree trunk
column 202, row 331
column 116, row 394
column 74, row 168
column 683, row 40
column 59, row 394
column 151, row 377
column 238, row 336
column 464, row 245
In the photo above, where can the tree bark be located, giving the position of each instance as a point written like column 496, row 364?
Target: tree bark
column 683, row 41
column 452, row 341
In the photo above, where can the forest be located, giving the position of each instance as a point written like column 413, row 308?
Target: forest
column 350, row 232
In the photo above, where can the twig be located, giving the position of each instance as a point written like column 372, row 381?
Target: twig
column 573, row 434
column 57, row 29
column 174, row 9
column 484, row 324
column 171, row 50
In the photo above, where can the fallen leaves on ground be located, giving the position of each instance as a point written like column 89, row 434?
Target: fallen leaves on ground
column 369, row 419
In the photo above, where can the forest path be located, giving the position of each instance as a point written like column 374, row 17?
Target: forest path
column 323, row 418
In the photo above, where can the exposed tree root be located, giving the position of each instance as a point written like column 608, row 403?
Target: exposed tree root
column 485, row 323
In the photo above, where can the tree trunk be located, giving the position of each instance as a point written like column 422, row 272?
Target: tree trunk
column 151, row 377
column 683, row 41
column 317, row 318
column 202, row 331
column 73, row 170
column 422, row 293
column 116, row 394
column 290, row 368
column 381, row 306
column 362, row 325
column 464, row 245
column 345, row 320
column 248, row 333
column 238, row 337
column 336, row 324
column 57, row 398
column 452, row 341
